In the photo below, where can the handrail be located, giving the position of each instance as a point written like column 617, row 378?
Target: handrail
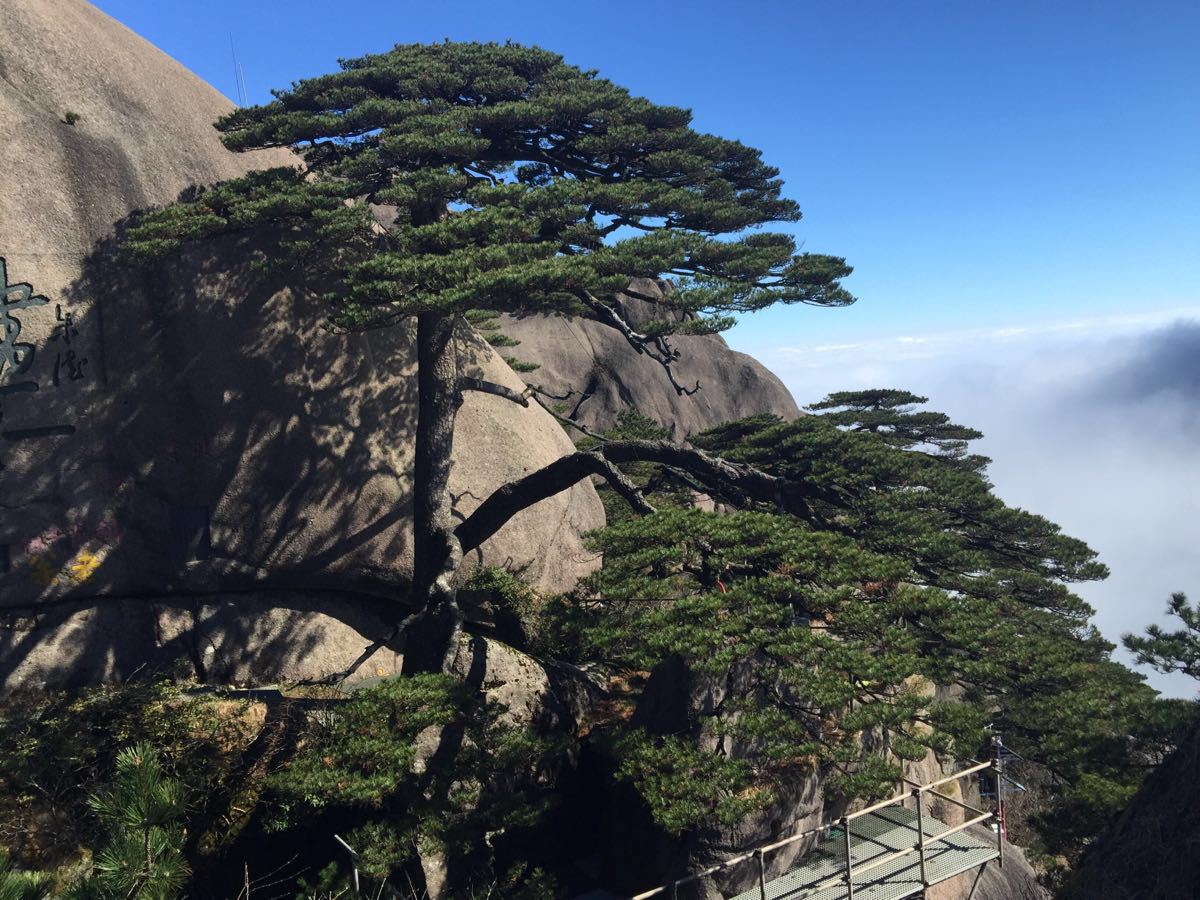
column 891, row 801
column 930, row 839
column 844, row 821
column 712, row 870
column 795, row 837
column 958, row 775
column 942, row 835
column 923, row 788
column 942, row 796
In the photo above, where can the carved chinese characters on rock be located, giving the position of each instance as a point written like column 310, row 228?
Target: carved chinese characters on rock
column 19, row 379
column 16, row 356
column 67, row 363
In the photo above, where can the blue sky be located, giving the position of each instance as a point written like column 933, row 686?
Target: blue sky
column 979, row 164
column 1015, row 183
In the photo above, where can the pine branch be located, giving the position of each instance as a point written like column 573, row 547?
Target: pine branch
column 656, row 347
column 505, row 502
column 496, row 390
column 721, row 475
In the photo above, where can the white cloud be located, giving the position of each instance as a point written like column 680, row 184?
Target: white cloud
column 1093, row 423
column 968, row 341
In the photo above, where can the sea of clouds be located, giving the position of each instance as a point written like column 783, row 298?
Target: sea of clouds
column 1094, row 424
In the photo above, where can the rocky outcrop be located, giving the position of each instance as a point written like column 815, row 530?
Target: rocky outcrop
column 604, row 375
column 636, row 854
column 1153, row 850
column 197, row 432
column 1016, row 879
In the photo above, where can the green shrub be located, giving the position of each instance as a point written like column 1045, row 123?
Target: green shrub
column 423, row 764
column 15, row 885
column 143, row 812
column 59, row 747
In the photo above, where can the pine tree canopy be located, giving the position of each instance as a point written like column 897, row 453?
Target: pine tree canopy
column 455, row 176
column 443, row 180
column 1171, row 651
column 367, row 759
column 911, row 605
column 890, row 414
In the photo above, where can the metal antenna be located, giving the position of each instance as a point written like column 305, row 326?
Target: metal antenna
column 242, row 83
column 239, row 76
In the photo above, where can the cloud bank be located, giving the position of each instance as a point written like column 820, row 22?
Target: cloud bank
column 1094, row 424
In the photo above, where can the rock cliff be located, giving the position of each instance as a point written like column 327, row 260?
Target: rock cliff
column 1151, row 851
column 172, row 440
column 602, row 375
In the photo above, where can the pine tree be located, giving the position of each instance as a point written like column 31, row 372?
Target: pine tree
column 891, row 415
column 1171, row 651
column 15, row 885
column 897, row 606
column 371, row 760
column 511, row 181
column 143, row 810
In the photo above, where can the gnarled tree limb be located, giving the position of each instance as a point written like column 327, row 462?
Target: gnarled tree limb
column 497, row 390
column 720, row 475
column 657, row 347
column 505, row 502
column 566, row 420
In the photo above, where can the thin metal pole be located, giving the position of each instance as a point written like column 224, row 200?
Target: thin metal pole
column 353, row 862
column 916, row 792
column 975, row 883
column 849, row 861
column 762, row 874
column 997, row 758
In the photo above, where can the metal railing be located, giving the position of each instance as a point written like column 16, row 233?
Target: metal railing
column 759, row 854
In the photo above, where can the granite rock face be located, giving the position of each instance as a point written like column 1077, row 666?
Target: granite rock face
column 605, row 375
column 244, row 638
column 636, row 854
column 196, row 432
column 1152, row 851
column 1015, row 880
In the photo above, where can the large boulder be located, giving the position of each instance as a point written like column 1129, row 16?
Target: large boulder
column 603, row 374
column 195, row 432
column 1015, row 879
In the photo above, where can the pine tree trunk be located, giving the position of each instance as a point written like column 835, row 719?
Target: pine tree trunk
column 432, row 638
